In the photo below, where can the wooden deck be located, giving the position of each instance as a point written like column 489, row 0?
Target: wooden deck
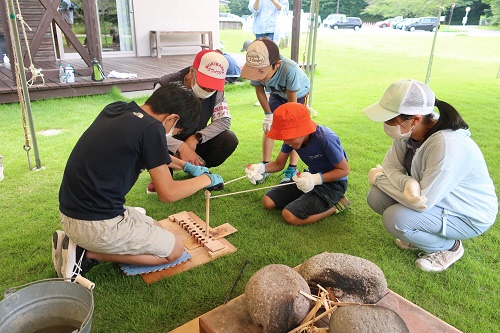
column 148, row 70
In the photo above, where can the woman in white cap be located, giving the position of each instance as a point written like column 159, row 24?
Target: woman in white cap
column 433, row 189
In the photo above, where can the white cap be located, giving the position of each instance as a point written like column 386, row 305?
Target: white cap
column 405, row 96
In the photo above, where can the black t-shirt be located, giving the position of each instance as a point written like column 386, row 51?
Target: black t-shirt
column 107, row 160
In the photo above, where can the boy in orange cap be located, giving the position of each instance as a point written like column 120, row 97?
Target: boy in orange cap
column 318, row 193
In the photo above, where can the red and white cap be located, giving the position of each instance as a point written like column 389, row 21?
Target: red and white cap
column 211, row 68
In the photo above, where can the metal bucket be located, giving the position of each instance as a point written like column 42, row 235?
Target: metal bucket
column 52, row 305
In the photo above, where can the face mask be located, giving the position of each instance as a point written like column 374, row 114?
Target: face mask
column 394, row 132
column 171, row 131
column 200, row 92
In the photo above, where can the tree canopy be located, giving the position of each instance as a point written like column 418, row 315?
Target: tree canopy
column 374, row 10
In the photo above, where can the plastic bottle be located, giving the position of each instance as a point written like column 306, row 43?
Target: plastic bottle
column 70, row 73
column 6, row 59
column 62, row 74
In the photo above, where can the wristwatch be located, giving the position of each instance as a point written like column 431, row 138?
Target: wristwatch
column 198, row 137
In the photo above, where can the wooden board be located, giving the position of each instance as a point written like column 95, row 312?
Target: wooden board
column 199, row 254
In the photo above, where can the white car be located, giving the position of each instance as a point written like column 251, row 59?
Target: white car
column 333, row 18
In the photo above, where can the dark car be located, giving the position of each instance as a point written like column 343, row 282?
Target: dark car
column 349, row 23
column 423, row 23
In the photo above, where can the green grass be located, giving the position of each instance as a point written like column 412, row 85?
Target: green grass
column 353, row 70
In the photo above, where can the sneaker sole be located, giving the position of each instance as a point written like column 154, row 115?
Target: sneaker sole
column 68, row 258
column 57, row 240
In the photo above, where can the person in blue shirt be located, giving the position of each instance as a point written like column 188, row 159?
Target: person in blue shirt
column 318, row 193
column 265, row 16
column 285, row 80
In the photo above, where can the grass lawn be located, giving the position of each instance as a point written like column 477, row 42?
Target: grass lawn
column 353, row 70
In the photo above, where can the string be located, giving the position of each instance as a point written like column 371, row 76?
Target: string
column 255, row 189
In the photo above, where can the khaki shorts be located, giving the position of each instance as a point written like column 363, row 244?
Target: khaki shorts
column 130, row 233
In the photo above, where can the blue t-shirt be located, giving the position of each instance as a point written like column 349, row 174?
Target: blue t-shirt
column 322, row 152
column 289, row 77
column 107, row 160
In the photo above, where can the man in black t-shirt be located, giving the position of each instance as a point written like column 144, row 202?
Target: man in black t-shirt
column 105, row 163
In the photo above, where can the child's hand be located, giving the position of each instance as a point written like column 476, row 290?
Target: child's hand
column 374, row 173
column 412, row 195
column 268, row 121
column 195, row 170
column 306, row 181
column 216, row 182
column 255, row 172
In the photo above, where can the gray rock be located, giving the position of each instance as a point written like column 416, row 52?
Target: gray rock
column 352, row 279
column 366, row 319
column 273, row 299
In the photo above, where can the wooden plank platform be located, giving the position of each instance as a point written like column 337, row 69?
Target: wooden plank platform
column 233, row 317
column 148, row 71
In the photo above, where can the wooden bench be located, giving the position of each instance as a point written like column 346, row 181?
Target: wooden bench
column 206, row 40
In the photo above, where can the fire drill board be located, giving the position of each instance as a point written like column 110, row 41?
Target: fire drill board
column 191, row 229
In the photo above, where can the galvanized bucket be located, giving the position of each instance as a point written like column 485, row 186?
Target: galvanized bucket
column 52, row 305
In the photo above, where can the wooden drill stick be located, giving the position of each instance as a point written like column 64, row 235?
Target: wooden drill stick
column 207, row 212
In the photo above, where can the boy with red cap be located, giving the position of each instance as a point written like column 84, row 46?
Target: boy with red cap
column 211, row 144
column 270, row 71
column 318, row 193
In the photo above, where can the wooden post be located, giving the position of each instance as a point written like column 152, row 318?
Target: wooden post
column 207, row 212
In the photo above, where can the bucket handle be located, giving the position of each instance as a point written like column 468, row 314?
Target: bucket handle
column 86, row 283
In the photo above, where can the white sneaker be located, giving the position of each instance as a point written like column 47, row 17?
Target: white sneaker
column 439, row 261
column 405, row 245
column 57, row 239
column 72, row 257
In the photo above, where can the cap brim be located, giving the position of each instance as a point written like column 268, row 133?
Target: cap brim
column 292, row 132
column 254, row 73
column 208, row 82
column 378, row 113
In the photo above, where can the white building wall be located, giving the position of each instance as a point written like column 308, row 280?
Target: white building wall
column 178, row 15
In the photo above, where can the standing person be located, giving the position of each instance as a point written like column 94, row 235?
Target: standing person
column 268, row 70
column 211, row 144
column 66, row 8
column 318, row 193
column 433, row 189
column 265, row 16
column 105, row 163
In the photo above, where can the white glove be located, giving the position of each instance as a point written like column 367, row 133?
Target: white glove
column 306, row 181
column 268, row 121
column 255, row 172
column 412, row 194
column 374, row 173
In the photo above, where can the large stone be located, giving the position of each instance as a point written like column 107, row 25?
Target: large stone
column 366, row 318
column 273, row 299
column 352, row 279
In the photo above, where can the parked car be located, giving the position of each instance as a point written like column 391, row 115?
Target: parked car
column 349, row 23
column 332, row 18
column 403, row 23
column 423, row 23
column 388, row 22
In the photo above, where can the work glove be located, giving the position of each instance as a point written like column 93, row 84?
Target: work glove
column 306, row 181
column 195, row 170
column 374, row 173
column 412, row 195
column 216, row 184
column 255, row 172
column 268, row 121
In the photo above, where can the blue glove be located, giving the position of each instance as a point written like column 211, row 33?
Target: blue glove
column 194, row 170
column 217, row 183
